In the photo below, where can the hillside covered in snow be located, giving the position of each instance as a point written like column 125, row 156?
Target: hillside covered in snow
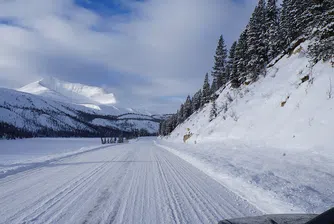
column 79, row 94
column 26, row 115
column 263, row 127
column 271, row 142
column 291, row 106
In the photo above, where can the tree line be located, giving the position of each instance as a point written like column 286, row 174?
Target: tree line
column 272, row 31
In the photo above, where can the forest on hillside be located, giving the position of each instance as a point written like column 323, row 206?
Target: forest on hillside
column 272, row 32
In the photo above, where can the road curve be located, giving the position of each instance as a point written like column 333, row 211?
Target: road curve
column 130, row 183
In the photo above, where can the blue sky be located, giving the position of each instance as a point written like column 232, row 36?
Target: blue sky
column 150, row 54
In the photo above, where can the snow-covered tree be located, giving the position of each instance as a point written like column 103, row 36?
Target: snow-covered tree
column 180, row 115
column 256, row 41
column 241, row 57
column 187, row 110
column 323, row 26
column 206, row 91
column 196, row 102
column 232, row 66
column 286, row 23
column 219, row 74
column 272, row 35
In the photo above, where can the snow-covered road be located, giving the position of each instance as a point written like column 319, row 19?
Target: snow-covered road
column 130, row 183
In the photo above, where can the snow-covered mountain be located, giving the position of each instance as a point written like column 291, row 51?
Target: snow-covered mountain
column 69, row 92
column 75, row 93
column 43, row 116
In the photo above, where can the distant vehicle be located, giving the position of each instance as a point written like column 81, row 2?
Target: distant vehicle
column 324, row 218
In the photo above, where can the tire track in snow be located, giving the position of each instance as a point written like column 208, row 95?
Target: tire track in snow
column 131, row 183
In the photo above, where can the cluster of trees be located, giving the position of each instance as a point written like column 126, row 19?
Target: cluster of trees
column 271, row 31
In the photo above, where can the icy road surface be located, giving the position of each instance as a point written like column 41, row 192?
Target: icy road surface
column 130, row 183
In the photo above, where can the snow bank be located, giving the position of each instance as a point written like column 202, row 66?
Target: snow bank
column 24, row 154
column 274, row 180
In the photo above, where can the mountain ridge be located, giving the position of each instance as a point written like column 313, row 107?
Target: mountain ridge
column 28, row 115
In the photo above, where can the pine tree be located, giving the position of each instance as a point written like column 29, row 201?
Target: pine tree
column 295, row 19
column 323, row 26
column 187, row 110
column 219, row 68
column 213, row 111
column 241, row 57
column 196, row 102
column 286, row 24
column 206, row 92
column 257, row 49
column 232, row 66
column 303, row 16
column 272, row 35
column 180, row 115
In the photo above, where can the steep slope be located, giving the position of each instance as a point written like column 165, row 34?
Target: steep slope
column 42, row 116
column 272, row 140
column 291, row 107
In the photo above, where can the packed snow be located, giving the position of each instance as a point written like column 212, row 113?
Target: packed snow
column 272, row 141
column 19, row 155
column 136, row 182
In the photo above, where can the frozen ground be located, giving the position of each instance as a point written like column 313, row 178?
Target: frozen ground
column 272, row 179
column 137, row 182
column 22, row 154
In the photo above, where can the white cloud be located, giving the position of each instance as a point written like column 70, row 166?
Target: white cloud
column 161, row 48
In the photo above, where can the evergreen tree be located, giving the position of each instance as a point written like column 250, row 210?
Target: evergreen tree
column 187, row 110
column 213, row 112
column 272, row 35
column 323, row 26
column 196, row 102
column 285, row 24
column 206, row 92
column 219, row 74
column 232, row 66
column 241, row 58
column 180, row 115
column 257, row 49
column 303, row 16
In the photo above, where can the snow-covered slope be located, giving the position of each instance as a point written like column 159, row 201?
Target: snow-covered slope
column 47, row 117
column 272, row 141
column 75, row 93
column 291, row 107
column 69, row 92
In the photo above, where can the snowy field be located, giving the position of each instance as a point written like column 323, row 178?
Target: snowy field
column 137, row 182
column 21, row 154
column 272, row 179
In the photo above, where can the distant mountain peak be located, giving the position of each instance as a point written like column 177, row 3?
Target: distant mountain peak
column 69, row 92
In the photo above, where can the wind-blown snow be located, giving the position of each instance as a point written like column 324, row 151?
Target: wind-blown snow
column 275, row 135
